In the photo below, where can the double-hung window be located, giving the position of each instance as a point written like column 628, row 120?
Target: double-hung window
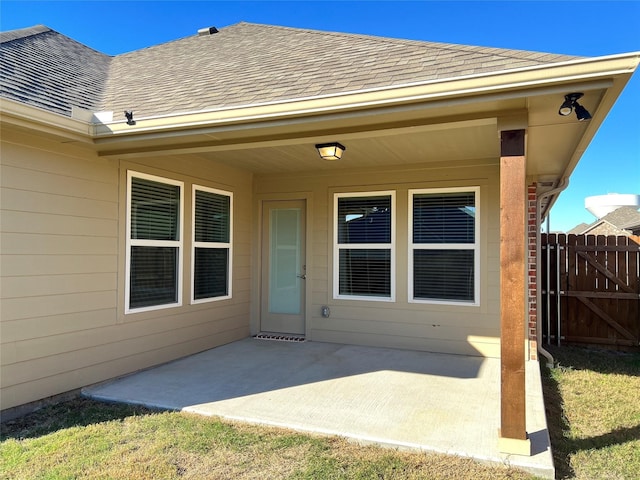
column 444, row 246
column 211, row 256
column 154, row 242
column 364, row 260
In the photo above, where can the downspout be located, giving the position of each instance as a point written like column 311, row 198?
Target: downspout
column 562, row 185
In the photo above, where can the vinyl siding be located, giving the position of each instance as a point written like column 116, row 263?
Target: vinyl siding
column 470, row 330
column 63, row 324
column 62, row 226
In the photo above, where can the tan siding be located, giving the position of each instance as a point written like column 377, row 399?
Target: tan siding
column 62, row 277
column 30, row 328
column 25, row 244
column 16, row 178
column 20, row 393
column 473, row 330
column 126, row 343
column 29, row 201
column 31, row 286
column 37, row 264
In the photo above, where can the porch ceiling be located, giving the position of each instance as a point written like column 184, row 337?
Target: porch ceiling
column 464, row 130
column 469, row 141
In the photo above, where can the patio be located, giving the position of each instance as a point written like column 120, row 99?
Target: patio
column 395, row 398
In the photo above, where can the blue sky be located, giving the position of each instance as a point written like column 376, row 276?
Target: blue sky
column 584, row 28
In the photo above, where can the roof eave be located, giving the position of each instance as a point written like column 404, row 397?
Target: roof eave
column 518, row 82
column 21, row 115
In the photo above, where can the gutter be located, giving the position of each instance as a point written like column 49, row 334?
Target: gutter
column 562, row 185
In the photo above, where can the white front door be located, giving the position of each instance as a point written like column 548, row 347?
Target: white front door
column 283, row 267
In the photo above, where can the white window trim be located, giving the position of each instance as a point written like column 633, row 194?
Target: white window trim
column 210, row 244
column 153, row 243
column 446, row 246
column 338, row 246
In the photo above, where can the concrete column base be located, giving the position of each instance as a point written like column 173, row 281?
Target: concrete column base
column 514, row 446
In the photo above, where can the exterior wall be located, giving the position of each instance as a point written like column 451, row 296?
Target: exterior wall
column 473, row 330
column 62, row 273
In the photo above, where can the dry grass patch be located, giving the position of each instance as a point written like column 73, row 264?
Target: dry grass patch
column 124, row 442
column 593, row 409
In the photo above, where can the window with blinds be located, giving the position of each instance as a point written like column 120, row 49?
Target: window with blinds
column 212, row 244
column 364, row 251
column 444, row 246
column 154, row 242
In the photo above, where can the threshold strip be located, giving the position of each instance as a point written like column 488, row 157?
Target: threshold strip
column 279, row 337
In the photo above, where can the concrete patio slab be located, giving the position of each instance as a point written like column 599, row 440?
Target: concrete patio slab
column 396, row 398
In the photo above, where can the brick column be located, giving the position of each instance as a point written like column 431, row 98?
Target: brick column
column 532, row 268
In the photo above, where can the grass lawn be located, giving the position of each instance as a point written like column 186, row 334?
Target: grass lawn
column 91, row 440
column 593, row 411
column 592, row 405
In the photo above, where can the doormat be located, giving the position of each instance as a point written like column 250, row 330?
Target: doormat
column 279, row 338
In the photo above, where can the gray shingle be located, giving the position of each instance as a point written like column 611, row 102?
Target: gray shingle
column 242, row 64
column 40, row 67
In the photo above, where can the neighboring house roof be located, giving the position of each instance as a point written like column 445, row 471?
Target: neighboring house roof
column 578, row 229
column 73, row 74
column 622, row 221
column 243, row 64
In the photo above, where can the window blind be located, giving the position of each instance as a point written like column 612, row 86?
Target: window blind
column 444, row 218
column 212, row 217
column 444, row 244
column 154, row 210
column 212, row 248
column 211, row 273
column 154, row 241
column 153, row 276
column 364, row 247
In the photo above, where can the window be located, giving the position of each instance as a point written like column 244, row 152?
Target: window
column 211, row 259
column 444, row 246
column 154, row 242
column 364, row 253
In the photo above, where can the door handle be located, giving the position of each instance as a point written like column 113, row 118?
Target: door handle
column 303, row 277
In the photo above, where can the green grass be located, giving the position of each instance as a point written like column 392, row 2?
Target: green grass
column 83, row 439
column 593, row 411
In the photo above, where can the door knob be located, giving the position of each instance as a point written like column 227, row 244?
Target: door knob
column 303, row 277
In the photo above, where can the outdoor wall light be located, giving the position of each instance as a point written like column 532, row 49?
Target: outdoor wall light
column 129, row 115
column 582, row 113
column 331, row 151
column 570, row 103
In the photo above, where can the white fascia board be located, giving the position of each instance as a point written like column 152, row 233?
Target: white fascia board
column 34, row 118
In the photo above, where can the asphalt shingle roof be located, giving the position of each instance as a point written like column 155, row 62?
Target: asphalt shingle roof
column 40, row 67
column 243, row 64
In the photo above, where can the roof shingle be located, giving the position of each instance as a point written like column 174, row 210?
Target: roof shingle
column 243, row 64
column 40, row 67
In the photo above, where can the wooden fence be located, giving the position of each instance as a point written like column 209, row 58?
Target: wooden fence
column 590, row 289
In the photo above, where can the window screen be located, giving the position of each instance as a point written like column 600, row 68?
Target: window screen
column 154, row 242
column 212, row 244
column 444, row 246
column 364, row 245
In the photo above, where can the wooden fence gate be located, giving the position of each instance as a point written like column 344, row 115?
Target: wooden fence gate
column 591, row 290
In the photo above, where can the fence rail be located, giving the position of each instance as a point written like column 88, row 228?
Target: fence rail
column 590, row 288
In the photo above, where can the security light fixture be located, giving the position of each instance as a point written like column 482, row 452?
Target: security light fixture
column 570, row 103
column 129, row 115
column 582, row 113
column 331, row 151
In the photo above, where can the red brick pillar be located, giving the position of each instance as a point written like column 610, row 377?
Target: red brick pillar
column 532, row 267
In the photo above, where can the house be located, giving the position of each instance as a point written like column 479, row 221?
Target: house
column 169, row 200
column 623, row 221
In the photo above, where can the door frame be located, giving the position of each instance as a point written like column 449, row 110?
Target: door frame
column 256, row 267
